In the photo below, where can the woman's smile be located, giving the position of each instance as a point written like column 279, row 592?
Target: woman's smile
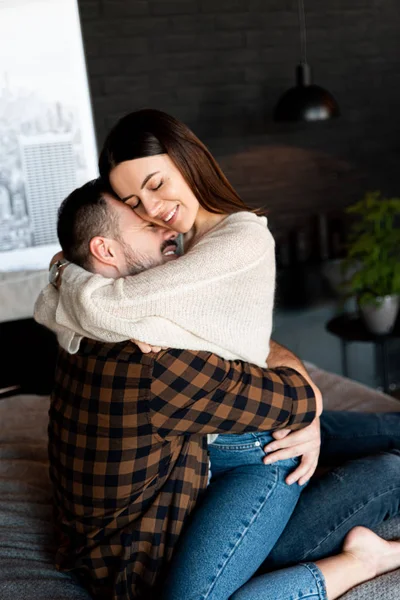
column 172, row 216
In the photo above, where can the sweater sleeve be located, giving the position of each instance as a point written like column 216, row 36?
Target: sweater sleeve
column 113, row 310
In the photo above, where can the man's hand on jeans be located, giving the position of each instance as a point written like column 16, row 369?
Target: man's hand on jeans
column 289, row 444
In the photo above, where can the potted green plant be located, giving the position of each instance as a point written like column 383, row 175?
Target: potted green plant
column 373, row 259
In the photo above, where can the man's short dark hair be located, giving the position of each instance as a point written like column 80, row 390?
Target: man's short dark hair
column 84, row 214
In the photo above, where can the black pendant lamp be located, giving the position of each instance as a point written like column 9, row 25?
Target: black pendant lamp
column 305, row 101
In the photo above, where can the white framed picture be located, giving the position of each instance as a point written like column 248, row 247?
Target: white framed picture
column 47, row 139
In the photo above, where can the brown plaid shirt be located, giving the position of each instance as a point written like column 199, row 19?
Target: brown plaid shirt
column 128, row 452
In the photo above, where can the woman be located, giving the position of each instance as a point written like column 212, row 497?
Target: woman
column 217, row 297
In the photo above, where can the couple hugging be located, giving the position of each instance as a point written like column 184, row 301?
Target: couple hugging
column 182, row 440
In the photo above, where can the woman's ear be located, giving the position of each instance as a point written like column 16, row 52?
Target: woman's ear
column 104, row 250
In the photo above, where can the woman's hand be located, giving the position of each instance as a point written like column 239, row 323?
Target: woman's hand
column 146, row 348
column 305, row 443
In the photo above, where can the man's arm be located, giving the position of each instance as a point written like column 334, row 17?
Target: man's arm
column 199, row 392
column 305, row 443
column 280, row 356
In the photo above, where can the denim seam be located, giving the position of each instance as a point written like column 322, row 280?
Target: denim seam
column 244, row 532
column 319, row 580
column 248, row 446
column 361, row 506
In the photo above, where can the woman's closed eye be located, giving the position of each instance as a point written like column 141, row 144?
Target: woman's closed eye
column 157, row 187
column 133, row 203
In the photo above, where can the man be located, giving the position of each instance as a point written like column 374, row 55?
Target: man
column 127, row 432
column 127, row 444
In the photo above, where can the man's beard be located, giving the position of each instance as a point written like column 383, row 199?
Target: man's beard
column 136, row 262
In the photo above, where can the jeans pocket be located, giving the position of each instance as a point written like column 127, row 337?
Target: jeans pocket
column 228, row 457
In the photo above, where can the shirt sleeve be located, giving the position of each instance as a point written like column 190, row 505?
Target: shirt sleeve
column 198, row 392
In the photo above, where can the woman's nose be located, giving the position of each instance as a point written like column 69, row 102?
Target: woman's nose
column 152, row 207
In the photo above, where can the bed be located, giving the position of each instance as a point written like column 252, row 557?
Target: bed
column 26, row 540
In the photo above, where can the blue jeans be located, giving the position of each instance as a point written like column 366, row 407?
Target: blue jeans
column 251, row 523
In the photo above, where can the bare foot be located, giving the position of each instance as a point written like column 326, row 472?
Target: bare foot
column 377, row 555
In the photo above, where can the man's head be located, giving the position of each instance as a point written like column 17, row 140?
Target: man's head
column 105, row 236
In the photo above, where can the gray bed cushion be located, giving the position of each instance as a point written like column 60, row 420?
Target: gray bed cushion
column 26, row 542
column 27, row 569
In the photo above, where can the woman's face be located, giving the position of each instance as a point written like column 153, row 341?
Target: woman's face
column 155, row 188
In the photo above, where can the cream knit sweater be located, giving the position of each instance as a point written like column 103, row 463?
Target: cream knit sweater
column 218, row 297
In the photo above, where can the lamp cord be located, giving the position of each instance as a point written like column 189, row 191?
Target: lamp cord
column 303, row 32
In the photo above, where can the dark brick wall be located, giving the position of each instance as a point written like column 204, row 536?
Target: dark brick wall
column 220, row 65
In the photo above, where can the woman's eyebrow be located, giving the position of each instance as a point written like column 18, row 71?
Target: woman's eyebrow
column 145, row 180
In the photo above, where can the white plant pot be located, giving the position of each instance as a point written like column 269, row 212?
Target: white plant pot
column 380, row 319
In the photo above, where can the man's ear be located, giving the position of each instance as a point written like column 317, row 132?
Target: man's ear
column 104, row 250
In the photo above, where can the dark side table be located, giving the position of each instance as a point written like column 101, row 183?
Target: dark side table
column 350, row 328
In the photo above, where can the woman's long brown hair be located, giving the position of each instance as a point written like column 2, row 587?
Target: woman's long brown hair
column 149, row 132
